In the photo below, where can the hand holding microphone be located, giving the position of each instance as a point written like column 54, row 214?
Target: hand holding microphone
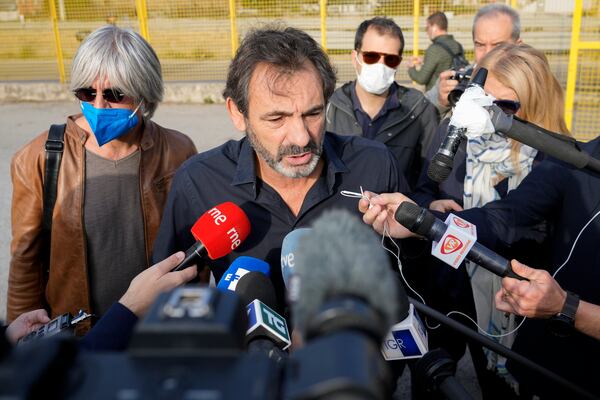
column 382, row 212
column 424, row 223
column 218, row 232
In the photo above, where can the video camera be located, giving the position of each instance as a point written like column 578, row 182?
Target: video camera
column 191, row 344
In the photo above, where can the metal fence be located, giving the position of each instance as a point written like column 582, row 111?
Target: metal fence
column 195, row 39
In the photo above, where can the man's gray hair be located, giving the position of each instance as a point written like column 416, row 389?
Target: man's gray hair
column 287, row 49
column 124, row 58
column 495, row 9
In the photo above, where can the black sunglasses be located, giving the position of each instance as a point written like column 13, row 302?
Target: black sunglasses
column 509, row 107
column 372, row 57
column 89, row 95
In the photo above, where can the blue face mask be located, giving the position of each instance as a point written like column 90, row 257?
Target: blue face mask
column 109, row 123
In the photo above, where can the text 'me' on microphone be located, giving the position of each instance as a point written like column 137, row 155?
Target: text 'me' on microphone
column 218, row 232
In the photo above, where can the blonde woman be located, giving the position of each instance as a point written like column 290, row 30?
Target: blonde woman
column 520, row 80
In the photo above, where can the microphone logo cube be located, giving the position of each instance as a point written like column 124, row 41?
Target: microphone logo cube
column 406, row 339
column 457, row 241
column 262, row 320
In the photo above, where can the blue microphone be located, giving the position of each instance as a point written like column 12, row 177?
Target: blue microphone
column 240, row 267
column 289, row 248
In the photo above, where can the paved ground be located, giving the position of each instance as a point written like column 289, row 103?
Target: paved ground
column 207, row 125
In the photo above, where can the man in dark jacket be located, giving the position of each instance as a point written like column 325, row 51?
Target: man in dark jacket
column 439, row 56
column 376, row 107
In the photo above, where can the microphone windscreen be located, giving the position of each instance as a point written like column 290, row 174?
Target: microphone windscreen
column 289, row 247
column 440, row 167
column 256, row 286
column 222, row 229
column 343, row 257
column 414, row 218
column 240, row 267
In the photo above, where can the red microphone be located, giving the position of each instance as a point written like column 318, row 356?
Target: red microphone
column 218, row 232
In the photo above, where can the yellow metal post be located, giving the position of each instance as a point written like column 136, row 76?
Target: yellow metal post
column 142, row 13
column 233, row 27
column 57, row 43
column 572, row 69
column 416, row 8
column 323, row 9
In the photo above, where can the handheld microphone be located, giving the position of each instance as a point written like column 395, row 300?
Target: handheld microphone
column 289, row 247
column 218, row 232
column 424, row 223
column 240, row 267
column 443, row 161
column 256, row 290
column 561, row 147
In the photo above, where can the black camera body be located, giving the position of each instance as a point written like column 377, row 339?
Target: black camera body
column 463, row 76
column 191, row 345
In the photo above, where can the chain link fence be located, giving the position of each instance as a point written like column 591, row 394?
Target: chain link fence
column 195, row 39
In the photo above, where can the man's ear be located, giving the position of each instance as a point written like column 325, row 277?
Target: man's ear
column 236, row 115
column 354, row 61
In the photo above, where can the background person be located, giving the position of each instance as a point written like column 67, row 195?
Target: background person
column 113, row 182
column 438, row 56
column 493, row 24
column 374, row 106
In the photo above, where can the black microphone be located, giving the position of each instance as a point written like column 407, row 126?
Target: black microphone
column 435, row 373
column 558, row 146
column 443, row 161
column 424, row 223
column 267, row 330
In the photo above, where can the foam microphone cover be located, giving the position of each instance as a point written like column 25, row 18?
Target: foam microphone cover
column 256, row 286
column 221, row 229
column 289, row 248
column 343, row 257
column 440, row 167
column 240, row 267
column 414, row 218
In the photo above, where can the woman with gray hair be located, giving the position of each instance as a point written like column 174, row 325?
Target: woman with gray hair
column 112, row 184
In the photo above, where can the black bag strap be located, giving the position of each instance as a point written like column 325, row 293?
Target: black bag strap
column 444, row 46
column 55, row 145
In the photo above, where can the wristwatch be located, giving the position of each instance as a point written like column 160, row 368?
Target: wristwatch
column 563, row 323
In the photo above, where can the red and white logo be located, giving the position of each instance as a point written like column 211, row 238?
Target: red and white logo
column 451, row 244
column 461, row 223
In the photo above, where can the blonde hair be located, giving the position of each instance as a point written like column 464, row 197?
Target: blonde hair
column 525, row 70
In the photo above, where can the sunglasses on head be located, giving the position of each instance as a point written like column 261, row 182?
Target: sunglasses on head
column 373, row 57
column 509, row 107
column 89, row 95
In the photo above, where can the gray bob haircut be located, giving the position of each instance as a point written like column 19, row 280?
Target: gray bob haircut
column 494, row 9
column 124, row 58
column 287, row 49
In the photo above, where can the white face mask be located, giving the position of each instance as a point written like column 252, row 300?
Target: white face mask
column 375, row 78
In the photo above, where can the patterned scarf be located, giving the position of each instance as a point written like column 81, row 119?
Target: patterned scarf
column 489, row 161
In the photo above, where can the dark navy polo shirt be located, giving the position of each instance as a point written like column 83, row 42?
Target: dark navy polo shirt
column 228, row 173
column 370, row 127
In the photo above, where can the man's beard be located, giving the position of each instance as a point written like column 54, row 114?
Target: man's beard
column 300, row 171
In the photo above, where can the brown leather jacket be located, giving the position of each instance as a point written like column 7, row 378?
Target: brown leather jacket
column 67, row 290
